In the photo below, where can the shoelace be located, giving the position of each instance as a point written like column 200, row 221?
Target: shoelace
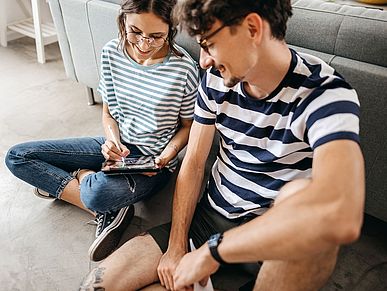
column 99, row 219
column 92, row 222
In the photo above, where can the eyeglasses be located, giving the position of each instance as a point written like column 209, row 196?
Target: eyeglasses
column 203, row 42
column 137, row 37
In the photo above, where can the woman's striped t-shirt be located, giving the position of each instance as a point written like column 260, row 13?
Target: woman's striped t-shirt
column 266, row 143
column 148, row 101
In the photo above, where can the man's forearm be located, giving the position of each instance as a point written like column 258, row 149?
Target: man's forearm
column 325, row 213
column 189, row 183
column 289, row 231
column 186, row 195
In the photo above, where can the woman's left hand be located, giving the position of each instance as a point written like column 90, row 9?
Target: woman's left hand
column 160, row 163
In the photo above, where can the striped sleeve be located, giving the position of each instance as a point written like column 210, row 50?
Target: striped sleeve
column 205, row 108
column 330, row 112
column 105, row 87
column 190, row 91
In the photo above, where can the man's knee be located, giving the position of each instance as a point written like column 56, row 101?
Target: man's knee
column 291, row 188
column 131, row 267
column 297, row 275
column 94, row 280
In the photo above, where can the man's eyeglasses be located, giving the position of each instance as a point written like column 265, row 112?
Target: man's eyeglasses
column 137, row 37
column 203, row 42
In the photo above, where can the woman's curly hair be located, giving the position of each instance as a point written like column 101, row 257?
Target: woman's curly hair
column 198, row 16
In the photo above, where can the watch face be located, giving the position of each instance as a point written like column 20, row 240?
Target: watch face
column 213, row 243
column 214, row 240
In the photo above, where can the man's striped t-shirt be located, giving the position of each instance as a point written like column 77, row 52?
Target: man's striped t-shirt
column 148, row 101
column 266, row 143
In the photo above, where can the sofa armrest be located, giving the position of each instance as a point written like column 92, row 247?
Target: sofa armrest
column 64, row 46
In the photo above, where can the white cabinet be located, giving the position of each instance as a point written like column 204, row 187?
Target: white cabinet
column 43, row 33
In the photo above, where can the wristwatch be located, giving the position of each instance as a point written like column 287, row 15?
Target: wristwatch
column 213, row 243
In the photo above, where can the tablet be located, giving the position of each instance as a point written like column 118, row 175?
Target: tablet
column 130, row 165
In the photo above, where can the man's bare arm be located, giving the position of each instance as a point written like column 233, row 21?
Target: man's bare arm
column 186, row 195
column 189, row 183
column 322, row 215
column 327, row 212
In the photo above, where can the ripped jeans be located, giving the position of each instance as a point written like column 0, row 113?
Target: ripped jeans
column 48, row 165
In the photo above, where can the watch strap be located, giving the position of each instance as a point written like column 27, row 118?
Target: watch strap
column 214, row 248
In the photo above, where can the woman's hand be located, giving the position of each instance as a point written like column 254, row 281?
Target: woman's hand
column 160, row 163
column 112, row 153
column 166, row 156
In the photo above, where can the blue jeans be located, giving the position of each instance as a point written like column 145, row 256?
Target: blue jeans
column 48, row 165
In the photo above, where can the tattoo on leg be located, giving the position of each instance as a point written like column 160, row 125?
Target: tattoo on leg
column 93, row 280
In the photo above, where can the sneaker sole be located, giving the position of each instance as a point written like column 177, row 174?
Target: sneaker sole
column 40, row 195
column 108, row 240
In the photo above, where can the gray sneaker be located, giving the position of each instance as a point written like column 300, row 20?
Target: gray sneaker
column 110, row 228
column 43, row 194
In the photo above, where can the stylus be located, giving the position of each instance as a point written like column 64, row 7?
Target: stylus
column 115, row 141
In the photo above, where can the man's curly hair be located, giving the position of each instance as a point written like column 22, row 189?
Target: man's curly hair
column 198, row 16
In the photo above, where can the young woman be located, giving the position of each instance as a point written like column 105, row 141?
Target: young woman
column 148, row 86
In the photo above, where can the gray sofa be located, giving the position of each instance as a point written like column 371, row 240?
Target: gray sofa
column 352, row 39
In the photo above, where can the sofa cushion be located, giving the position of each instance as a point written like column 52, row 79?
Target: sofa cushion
column 370, row 82
column 342, row 30
column 80, row 40
column 63, row 39
column 102, row 18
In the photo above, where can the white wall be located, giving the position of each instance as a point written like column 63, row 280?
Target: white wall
column 19, row 9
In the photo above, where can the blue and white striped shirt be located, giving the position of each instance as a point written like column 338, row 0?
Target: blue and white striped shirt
column 148, row 101
column 267, row 143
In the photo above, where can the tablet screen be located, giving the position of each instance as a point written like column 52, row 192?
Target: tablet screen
column 139, row 164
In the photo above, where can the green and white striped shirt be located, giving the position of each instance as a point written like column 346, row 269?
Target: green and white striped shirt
column 148, row 101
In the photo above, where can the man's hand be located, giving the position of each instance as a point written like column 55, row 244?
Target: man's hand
column 167, row 266
column 195, row 266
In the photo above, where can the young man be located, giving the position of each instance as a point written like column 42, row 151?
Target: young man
column 287, row 187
